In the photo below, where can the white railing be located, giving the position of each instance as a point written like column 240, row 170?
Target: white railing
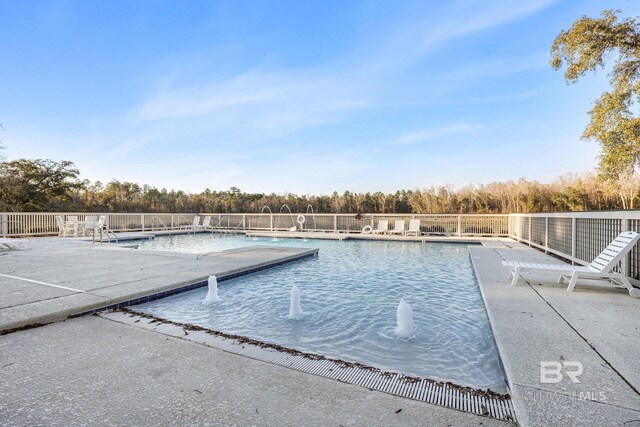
column 23, row 224
column 578, row 236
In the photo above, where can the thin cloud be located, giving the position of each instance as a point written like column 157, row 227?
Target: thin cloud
column 437, row 133
column 257, row 106
column 412, row 43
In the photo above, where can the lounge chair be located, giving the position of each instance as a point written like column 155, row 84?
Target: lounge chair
column 194, row 225
column 206, row 223
column 398, row 227
column 383, row 227
column 414, row 228
column 600, row 268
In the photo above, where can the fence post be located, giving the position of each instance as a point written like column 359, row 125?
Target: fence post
column 335, row 223
column 5, row 225
column 142, row 221
column 459, row 225
column 244, row 223
column 573, row 240
column 270, row 222
column 172, row 222
column 625, row 265
column 546, row 234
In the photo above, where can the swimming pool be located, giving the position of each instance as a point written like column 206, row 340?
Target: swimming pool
column 349, row 296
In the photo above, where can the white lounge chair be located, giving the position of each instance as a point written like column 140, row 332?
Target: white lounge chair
column 600, row 267
column 414, row 227
column 398, row 228
column 206, row 223
column 383, row 227
column 194, row 225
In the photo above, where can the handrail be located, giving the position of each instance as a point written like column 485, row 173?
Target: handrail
column 106, row 231
column 153, row 222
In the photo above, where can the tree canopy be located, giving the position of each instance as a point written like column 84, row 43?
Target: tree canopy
column 45, row 185
column 587, row 46
column 35, row 185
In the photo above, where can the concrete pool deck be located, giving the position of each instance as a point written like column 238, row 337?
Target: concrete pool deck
column 70, row 361
column 57, row 278
column 90, row 370
column 539, row 321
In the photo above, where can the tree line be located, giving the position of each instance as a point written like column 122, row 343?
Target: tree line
column 46, row 185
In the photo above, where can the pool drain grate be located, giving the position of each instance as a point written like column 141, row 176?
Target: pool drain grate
column 438, row 393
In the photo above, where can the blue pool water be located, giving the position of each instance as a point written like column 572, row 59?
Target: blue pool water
column 349, row 294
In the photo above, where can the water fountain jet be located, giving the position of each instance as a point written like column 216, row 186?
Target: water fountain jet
column 404, row 317
column 293, row 221
column 270, row 216
column 313, row 216
column 295, row 311
column 212, row 294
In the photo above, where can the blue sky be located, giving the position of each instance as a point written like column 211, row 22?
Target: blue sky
column 291, row 96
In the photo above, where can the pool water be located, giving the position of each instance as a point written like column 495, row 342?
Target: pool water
column 349, row 295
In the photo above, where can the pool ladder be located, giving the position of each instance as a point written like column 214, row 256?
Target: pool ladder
column 104, row 231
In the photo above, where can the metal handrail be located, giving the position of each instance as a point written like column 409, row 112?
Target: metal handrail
column 104, row 230
column 153, row 222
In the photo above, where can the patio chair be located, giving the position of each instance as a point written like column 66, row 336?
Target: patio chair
column 383, row 227
column 89, row 224
column 600, row 268
column 414, row 227
column 398, row 227
column 66, row 228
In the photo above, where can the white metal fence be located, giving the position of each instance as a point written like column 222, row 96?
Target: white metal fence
column 578, row 236
column 22, row 224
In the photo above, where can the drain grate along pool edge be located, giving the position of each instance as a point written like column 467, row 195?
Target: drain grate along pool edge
column 438, row 393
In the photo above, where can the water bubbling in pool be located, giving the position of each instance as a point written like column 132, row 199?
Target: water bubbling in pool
column 295, row 311
column 212, row 294
column 404, row 317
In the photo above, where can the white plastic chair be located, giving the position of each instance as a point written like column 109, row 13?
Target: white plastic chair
column 196, row 222
column 89, row 224
column 206, row 223
column 398, row 227
column 383, row 227
column 414, row 227
column 600, row 267
column 65, row 228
